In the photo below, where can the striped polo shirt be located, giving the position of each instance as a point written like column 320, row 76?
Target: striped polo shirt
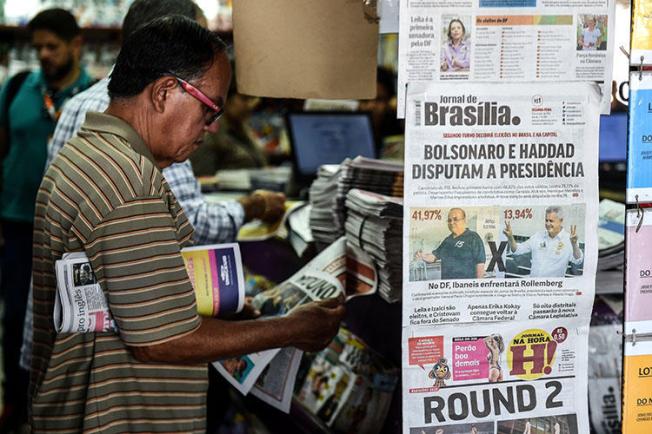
column 104, row 195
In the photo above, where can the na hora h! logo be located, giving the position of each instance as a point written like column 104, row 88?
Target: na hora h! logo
column 532, row 353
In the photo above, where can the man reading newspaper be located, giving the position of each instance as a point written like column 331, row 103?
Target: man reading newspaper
column 104, row 195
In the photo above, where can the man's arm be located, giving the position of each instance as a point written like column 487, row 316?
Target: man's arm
column 4, row 142
column 426, row 257
column 577, row 253
column 479, row 270
column 4, row 134
column 310, row 328
column 510, row 236
column 218, row 222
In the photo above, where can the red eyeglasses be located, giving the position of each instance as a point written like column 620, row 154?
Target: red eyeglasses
column 201, row 97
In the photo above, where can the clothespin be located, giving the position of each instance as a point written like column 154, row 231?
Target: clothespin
column 370, row 8
column 640, row 212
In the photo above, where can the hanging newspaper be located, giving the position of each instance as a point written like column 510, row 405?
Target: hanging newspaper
column 500, row 254
column 641, row 33
column 506, row 41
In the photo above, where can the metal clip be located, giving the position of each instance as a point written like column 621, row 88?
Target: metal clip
column 640, row 212
column 640, row 69
column 624, row 50
column 633, row 337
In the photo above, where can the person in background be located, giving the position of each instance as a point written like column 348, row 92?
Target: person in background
column 213, row 222
column 168, row 87
column 30, row 103
column 234, row 145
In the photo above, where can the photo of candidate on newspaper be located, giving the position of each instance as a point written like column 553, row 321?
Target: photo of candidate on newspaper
column 451, row 243
column 456, row 47
column 544, row 241
column 460, row 428
column 591, row 32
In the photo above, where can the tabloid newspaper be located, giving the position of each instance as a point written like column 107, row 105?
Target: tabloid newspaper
column 348, row 386
column 341, row 268
column 506, row 41
column 500, row 253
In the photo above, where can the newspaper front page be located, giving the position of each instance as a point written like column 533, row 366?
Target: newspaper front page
column 506, row 41
column 500, row 256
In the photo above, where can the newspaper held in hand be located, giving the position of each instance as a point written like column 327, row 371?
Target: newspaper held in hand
column 81, row 307
column 341, row 268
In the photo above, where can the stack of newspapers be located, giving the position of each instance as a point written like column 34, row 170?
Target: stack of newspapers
column 328, row 192
column 374, row 224
column 348, row 386
column 611, row 235
column 322, row 200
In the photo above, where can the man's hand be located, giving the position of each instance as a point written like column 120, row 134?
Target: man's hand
column 573, row 235
column 317, row 323
column 267, row 206
column 508, row 230
column 417, row 255
column 248, row 311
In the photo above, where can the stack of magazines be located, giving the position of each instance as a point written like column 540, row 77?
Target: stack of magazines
column 328, row 192
column 374, row 224
column 348, row 386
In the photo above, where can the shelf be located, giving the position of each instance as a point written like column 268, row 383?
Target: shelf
column 91, row 34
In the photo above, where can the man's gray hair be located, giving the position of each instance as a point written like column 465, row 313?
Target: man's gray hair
column 557, row 210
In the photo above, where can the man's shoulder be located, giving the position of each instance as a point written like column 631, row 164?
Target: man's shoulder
column 472, row 235
column 95, row 98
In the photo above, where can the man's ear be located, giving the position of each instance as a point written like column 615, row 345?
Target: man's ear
column 161, row 92
column 76, row 45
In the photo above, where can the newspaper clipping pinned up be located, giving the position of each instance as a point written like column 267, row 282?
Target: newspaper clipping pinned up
column 506, row 41
column 500, row 245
